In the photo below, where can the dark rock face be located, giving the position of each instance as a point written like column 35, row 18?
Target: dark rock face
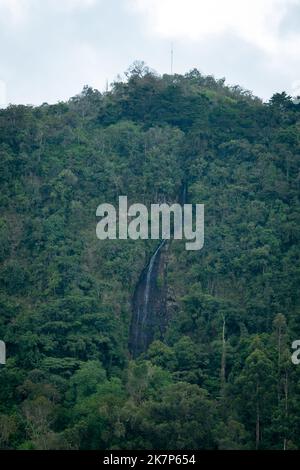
column 148, row 305
column 151, row 305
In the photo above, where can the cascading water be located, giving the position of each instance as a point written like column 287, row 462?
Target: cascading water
column 143, row 321
column 148, row 281
column 149, row 301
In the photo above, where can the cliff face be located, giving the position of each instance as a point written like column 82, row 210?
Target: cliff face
column 149, row 304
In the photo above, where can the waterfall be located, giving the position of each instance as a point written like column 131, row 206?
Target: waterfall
column 142, row 321
column 149, row 313
column 148, row 281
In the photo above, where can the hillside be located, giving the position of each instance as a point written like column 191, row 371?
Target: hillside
column 218, row 374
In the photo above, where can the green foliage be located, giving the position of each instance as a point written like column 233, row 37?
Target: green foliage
column 220, row 376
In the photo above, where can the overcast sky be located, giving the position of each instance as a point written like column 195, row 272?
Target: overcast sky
column 49, row 49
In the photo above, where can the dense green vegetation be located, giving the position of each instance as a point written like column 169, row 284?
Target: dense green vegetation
column 221, row 376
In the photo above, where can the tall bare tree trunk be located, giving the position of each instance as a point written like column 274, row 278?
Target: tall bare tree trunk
column 257, row 427
column 223, row 359
column 279, row 363
column 286, row 397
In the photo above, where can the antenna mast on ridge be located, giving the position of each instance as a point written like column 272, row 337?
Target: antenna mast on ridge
column 172, row 52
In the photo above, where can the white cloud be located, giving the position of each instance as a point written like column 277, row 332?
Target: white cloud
column 255, row 21
column 14, row 11
column 70, row 5
column 20, row 12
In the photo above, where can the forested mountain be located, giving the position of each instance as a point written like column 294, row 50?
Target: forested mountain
column 219, row 374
